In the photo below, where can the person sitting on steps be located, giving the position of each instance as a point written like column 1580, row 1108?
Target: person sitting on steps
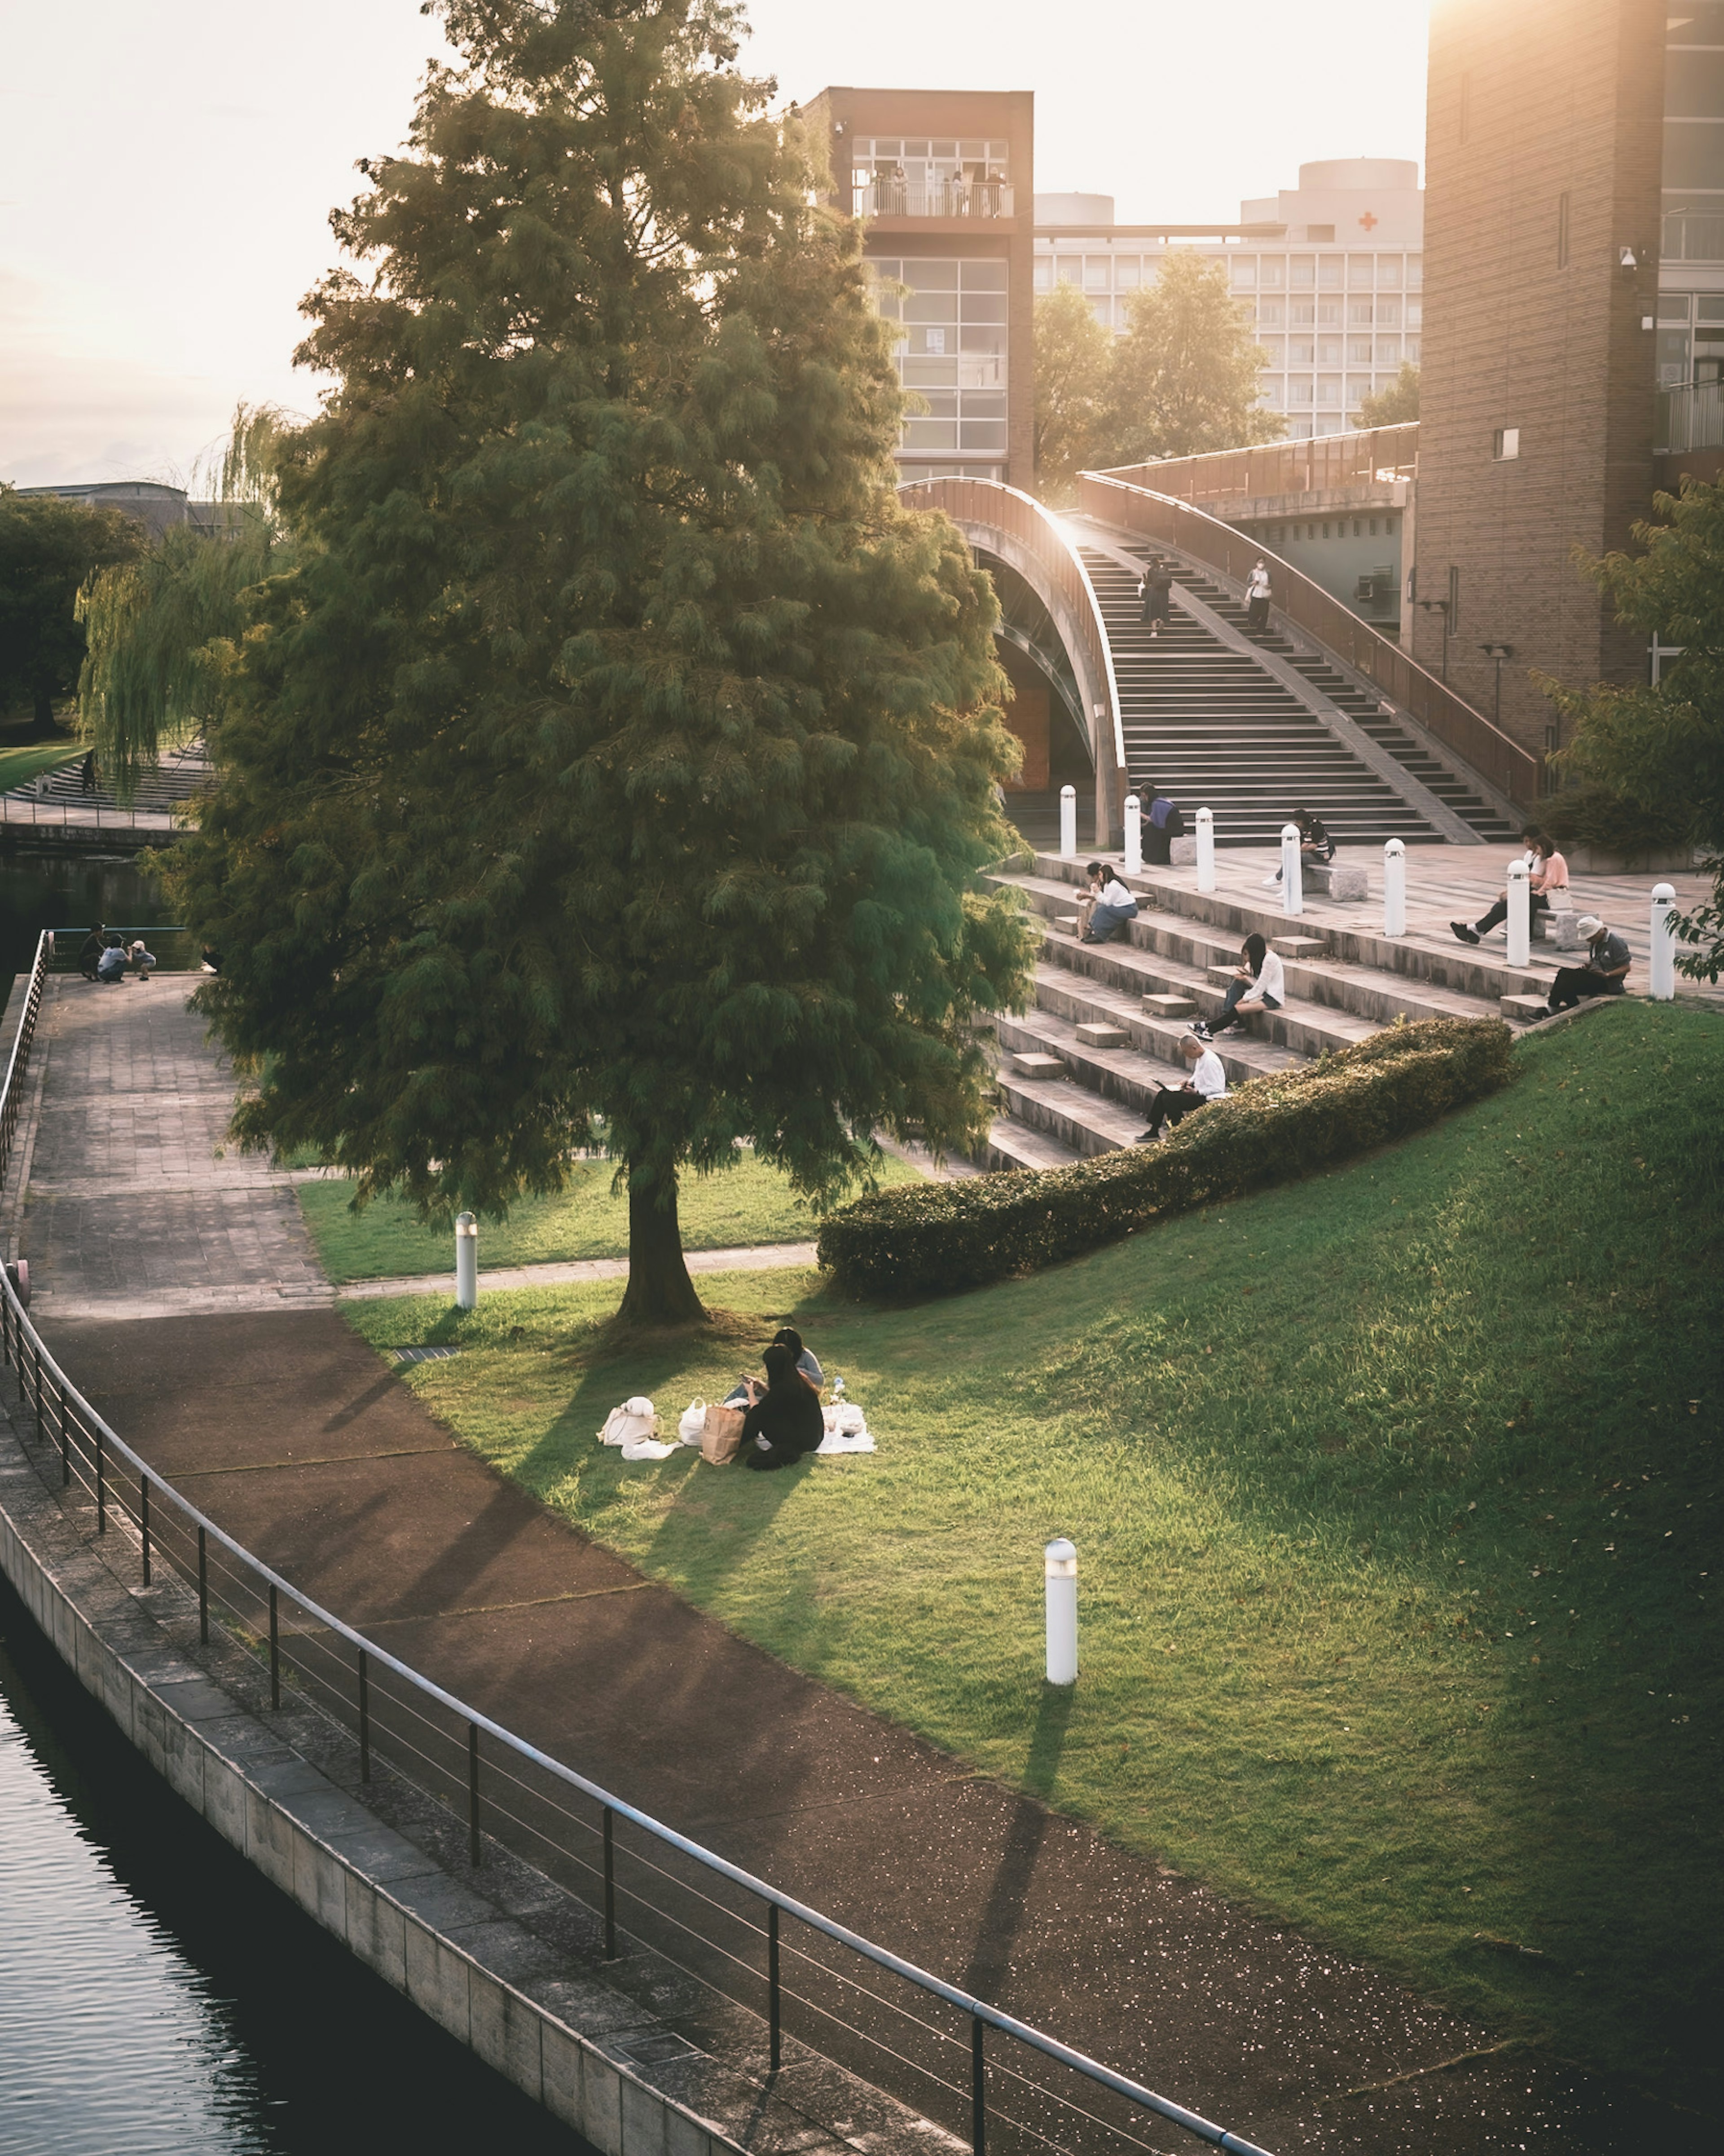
column 1605, row 973
column 1548, row 882
column 1260, row 984
column 1113, row 906
column 1315, row 843
column 1171, row 1104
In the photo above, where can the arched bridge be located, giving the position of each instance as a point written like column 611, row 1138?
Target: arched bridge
column 1318, row 709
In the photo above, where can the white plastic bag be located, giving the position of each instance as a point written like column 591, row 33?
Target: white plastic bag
column 647, row 1448
column 694, row 1421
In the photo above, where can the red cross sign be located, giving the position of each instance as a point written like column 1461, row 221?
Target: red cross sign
column 1369, row 221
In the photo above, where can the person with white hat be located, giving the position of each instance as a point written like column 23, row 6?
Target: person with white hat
column 1603, row 974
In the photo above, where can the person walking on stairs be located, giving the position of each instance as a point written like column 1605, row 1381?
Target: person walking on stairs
column 1153, row 586
column 1171, row 1104
column 1257, row 597
column 1547, row 887
column 1260, row 984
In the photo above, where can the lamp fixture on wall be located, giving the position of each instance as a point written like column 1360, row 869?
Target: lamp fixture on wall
column 1497, row 653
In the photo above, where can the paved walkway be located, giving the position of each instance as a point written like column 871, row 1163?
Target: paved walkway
column 757, row 1257
column 302, row 1444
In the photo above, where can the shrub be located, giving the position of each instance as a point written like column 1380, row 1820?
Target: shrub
column 1591, row 815
column 926, row 1237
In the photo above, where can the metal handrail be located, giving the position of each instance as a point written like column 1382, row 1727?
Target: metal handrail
column 1123, row 499
column 20, row 1328
column 1326, row 463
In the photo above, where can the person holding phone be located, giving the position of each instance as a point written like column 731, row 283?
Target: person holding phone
column 1260, row 983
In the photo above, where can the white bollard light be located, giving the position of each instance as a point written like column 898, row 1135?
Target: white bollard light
column 1206, row 850
column 1292, row 871
column 1664, row 944
column 1134, row 835
column 466, row 1262
column 1061, row 1562
column 1068, row 823
column 1519, row 914
column 1394, row 888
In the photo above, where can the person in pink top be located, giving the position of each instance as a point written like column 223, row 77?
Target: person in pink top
column 1547, row 887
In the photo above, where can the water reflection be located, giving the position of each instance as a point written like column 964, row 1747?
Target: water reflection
column 157, row 1997
column 62, row 888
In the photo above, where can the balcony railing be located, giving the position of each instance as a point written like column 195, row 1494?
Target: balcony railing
column 1693, row 235
column 1376, row 456
column 891, row 197
column 1692, row 417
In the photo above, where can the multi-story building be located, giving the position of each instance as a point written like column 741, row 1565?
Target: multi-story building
column 945, row 179
column 1332, row 272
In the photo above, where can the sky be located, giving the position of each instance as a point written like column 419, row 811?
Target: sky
column 166, row 171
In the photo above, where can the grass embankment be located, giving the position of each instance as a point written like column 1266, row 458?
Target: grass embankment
column 18, row 766
column 1397, row 1498
column 748, row 1204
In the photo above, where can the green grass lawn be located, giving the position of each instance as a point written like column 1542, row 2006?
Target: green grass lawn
column 1396, row 1494
column 20, row 766
column 748, row 1204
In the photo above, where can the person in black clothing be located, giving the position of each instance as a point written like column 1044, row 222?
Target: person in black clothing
column 1163, row 824
column 86, row 774
column 1153, row 586
column 785, row 1422
column 1605, row 973
column 1315, row 843
column 90, row 950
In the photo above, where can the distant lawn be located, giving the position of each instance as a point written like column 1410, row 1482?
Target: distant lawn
column 20, row 766
column 748, row 1204
column 1397, row 1498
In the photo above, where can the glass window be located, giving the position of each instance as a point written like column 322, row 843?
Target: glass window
column 971, row 152
column 1269, row 312
column 1359, row 311
column 982, row 306
column 930, row 435
column 1098, row 274
column 1388, row 314
column 1710, row 311
column 1328, row 351
column 1415, row 314
column 1410, row 350
column 1388, row 351
column 1045, row 272
column 931, row 307
column 1302, row 313
column 1388, row 272
column 1506, row 443
column 1299, row 389
column 1328, row 389
column 982, row 434
column 1271, row 272
column 1300, row 352
column 915, row 149
column 925, row 276
column 1071, row 269
column 980, row 405
column 1273, row 351
column 1126, row 269
column 1299, row 431
column 980, row 274
column 1302, row 272
column 1673, row 307
column 1415, row 272
column 1328, row 314
column 1244, row 272
column 930, row 374
column 1358, row 352
column 1103, row 311
column 1694, row 153
column 982, row 336
column 933, row 343
column 1357, row 386
column 1361, row 271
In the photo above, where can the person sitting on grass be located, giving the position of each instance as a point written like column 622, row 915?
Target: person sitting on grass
column 1260, row 984
column 785, row 1422
column 1605, row 973
column 1547, row 880
column 1113, row 906
column 1171, row 1104
column 747, row 1390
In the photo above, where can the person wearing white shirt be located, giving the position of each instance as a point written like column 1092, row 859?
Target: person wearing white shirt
column 1171, row 1104
column 1257, row 596
column 1113, row 906
column 1258, row 985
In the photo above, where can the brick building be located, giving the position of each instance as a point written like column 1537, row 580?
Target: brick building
column 1542, row 168
column 946, row 180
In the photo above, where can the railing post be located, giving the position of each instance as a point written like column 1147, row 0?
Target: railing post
column 773, row 2015
column 144, row 1521
column 275, row 1651
column 364, row 1718
column 978, row 2089
column 101, row 1475
column 610, row 1887
column 474, row 1855
column 202, row 1589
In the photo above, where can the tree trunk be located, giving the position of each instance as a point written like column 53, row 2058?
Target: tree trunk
column 659, row 1290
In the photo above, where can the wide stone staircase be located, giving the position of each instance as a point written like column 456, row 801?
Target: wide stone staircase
column 1077, row 1071
column 180, row 773
column 1252, row 726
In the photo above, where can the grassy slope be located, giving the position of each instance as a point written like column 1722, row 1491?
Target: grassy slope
column 1396, row 1514
column 748, row 1204
column 18, row 766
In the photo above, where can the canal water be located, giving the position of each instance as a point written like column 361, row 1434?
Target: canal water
column 157, row 1997
column 64, row 888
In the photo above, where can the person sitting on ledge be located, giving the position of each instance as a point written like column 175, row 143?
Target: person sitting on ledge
column 1605, row 973
column 785, row 1422
column 1114, row 906
column 1546, row 884
column 1171, row 1104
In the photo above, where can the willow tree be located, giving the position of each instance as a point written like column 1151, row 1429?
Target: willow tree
column 158, row 626
column 614, row 764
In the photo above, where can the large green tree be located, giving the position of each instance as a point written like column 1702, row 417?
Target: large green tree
column 1184, row 374
column 49, row 547
column 614, row 762
column 1394, row 406
column 1072, row 353
column 1659, row 747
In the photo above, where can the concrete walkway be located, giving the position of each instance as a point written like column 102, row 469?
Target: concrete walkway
column 299, row 1440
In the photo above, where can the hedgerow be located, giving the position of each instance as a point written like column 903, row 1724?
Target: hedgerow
column 928, row 1237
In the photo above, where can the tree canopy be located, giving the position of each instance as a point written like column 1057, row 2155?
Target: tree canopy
column 49, row 546
column 1660, row 747
column 1073, row 355
column 1184, row 377
column 613, row 764
column 1394, row 406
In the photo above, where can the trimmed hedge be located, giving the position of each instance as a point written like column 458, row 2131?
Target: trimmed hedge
column 927, row 1237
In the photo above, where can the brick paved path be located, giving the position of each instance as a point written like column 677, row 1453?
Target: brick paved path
column 180, row 1292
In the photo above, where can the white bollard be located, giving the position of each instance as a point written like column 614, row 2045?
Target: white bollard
column 1664, row 944
column 1292, row 871
column 1060, row 1563
column 466, row 1262
column 1134, row 835
column 1206, row 850
column 1519, row 914
column 1068, row 823
column 1394, row 888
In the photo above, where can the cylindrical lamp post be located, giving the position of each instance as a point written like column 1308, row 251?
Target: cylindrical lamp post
column 1664, row 944
column 1134, row 835
column 1292, row 871
column 1394, row 888
column 1068, row 823
column 1519, row 914
column 1060, row 1564
column 466, row 1262
column 1206, row 850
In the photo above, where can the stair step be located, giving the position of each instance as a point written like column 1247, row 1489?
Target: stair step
column 1170, row 1006
column 1299, row 946
column 1033, row 1064
column 1095, row 1035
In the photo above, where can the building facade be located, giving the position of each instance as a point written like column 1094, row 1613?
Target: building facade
column 1545, row 156
column 1330, row 272
column 946, row 180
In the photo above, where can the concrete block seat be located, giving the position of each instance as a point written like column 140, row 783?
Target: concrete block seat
column 1341, row 882
column 1559, row 927
column 1183, row 853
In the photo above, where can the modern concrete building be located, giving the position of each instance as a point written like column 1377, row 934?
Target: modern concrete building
column 945, row 179
column 1331, row 272
column 1575, row 181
